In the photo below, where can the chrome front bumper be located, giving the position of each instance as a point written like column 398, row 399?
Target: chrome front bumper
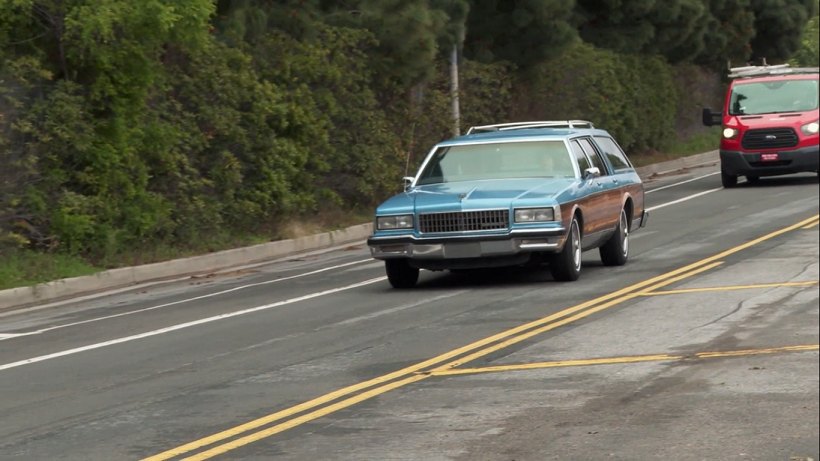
column 465, row 247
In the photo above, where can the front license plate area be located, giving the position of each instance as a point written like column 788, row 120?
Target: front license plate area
column 462, row 250
column 770, row 157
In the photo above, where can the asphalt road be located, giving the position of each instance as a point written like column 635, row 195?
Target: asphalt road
column 703, row 347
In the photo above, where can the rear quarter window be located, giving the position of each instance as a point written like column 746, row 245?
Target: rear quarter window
column 613, row 153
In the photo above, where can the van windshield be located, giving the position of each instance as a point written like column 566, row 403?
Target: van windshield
column 773, row 97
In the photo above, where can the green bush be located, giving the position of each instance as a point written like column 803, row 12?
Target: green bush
column 632, row 96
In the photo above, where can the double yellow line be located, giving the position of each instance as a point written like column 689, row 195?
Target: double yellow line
column 352, row 395
column 628, row 359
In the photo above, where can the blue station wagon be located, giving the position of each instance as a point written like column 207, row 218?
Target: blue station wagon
column 512, row 194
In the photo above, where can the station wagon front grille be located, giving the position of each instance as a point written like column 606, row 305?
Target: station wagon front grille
column 770, row 138
column 464, row 221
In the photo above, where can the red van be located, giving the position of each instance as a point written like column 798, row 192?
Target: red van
column 770, row 123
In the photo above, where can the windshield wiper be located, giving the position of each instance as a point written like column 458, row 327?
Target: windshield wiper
column 779, row 112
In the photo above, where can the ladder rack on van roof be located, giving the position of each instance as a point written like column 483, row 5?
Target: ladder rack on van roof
column 779, row 69
column 524, row 125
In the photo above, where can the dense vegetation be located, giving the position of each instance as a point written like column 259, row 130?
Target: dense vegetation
column 127, row 126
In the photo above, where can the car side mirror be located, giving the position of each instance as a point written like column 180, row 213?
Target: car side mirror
column 407, row 180
column 711, row 118
column 593, row 172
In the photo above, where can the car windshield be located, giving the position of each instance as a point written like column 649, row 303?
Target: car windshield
column 502, row 160
column 773, row 97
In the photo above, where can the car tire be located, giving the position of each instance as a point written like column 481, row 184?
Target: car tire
column 615, row 251
column 728, row 180
column 566, row 265
column 400, row 273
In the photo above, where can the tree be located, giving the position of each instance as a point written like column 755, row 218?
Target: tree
column 618, row 25
column 778, row 27
column 680, row 29
column 807, row 54
column 675, row 29
column 731, row 26
column 407, row 35
column 454, row 29
column 523, row 32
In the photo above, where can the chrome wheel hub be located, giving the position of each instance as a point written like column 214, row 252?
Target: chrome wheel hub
column 576, row 246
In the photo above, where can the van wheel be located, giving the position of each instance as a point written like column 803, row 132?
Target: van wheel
column 615, row 251
column 400, row 273
column 566, row 265
column 728, row 180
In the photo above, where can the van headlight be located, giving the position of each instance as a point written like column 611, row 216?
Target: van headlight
column 729, row 133
column 404, row 221
column 810, row 128
column 537, row 214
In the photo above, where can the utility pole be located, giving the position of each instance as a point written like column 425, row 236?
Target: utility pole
column 454, row 90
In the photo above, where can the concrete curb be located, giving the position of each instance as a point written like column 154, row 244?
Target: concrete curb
column 176, row 268
column 658, row 169
column 224, row 260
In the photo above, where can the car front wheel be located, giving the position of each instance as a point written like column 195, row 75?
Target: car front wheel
column 400, row 273
column 566, row 265
column 615, row 251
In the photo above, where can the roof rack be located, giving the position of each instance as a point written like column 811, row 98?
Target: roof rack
column 524, row 125
column 760, row 71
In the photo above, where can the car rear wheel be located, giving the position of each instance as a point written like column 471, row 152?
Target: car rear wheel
column 728, row 180
column 400, row 273
column 566, row 265
column 615, row 251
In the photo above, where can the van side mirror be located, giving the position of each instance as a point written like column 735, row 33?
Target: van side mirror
column 711, row 118
column 407, row 180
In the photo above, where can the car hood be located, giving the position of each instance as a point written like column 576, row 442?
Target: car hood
column 472, row 195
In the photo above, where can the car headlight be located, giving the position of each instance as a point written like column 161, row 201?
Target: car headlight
column 537, row 214
column 729, row 133
column 810, row 128
column 404, row 221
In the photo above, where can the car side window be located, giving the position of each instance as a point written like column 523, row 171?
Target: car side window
column 580, row 156
column 613, row 153
column 594, row 157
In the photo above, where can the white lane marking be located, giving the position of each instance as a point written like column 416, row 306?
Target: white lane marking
column 181, row 326
column 690, row 197
column 11, row 335
column 682, row 182
column 196, row 298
